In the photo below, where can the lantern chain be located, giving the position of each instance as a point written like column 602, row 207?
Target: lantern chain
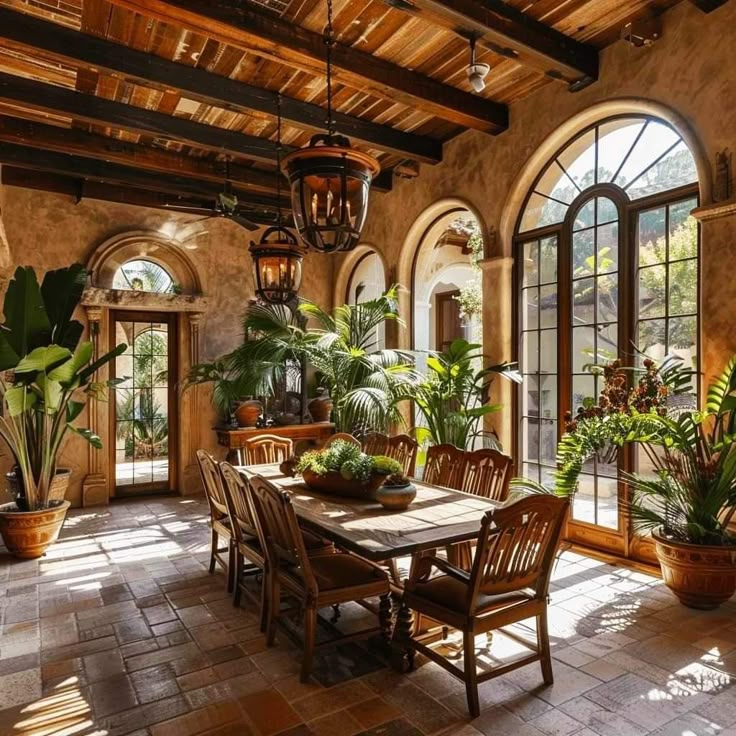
column 278, row 159
column 329, row 40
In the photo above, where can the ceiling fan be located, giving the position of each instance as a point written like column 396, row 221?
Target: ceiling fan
column 226, row 205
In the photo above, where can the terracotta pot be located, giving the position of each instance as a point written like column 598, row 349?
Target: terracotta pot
column 57, row 490
column 320, row 408
column 248, row 412
column 396, row 498
column 28, row 534
column 336, row 485
column 700, row 576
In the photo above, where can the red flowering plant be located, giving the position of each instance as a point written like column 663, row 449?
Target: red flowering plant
column 601, row 426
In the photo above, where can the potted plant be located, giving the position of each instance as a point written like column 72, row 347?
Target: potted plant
column 396, row 492
column 45, row 374
column 453, row 397
column 365, row 383
column 688, row 500
column 344, row 469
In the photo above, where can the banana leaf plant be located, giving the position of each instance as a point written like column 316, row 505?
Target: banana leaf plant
column 453, row 397
column 46, row 372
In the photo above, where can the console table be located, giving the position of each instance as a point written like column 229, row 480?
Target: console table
column 234, row 439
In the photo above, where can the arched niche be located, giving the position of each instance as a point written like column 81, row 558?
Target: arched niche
column 420, row 238
column 347, row 269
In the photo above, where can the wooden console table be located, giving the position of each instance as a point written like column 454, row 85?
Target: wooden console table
column 234, row 439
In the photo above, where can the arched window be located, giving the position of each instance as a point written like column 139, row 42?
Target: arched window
column 143, row 275
column 606, row 263
column 367, row 280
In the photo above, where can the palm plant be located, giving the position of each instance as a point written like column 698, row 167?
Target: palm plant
column 454, row 395
column 45, row 374
column 364, row 381
column 692, row 495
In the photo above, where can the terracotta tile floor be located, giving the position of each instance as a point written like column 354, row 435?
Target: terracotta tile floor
column 121, row 630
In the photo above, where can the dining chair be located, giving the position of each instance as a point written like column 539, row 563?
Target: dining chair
column 250, row 555
column 485, row 473
column 443, row 466
column 316, row 580
column 508, row 582
column 267, row 449
column 341, row 436
column 403, row 449
column 219, row 516
column 375, row 443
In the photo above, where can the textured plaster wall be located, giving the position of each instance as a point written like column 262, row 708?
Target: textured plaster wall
column 50, row 231
column 689, row 72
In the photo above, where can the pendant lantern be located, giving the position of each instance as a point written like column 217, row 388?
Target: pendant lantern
column 330, row 181
column 277, row 257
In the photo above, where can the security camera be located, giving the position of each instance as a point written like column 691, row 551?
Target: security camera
column 477, row 74
column 476, row 71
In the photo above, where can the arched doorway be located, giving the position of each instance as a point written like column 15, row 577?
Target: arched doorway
column 606, row 266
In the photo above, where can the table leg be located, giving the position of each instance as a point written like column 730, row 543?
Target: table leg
column 402, row 653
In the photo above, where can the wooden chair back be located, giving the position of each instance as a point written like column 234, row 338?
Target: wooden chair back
column 267, row 449
column 403, row 449
column 242, row 516
column 444, row 466
column 281, row 536
column 212, row 484
column 375, row 443
column 342, row 436
column 517, row 546
column 487, row 473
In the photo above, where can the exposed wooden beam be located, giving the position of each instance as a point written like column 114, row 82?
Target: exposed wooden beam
column 81, row 190
column 708, row 6
column 144, row 158
column 252, row 29
column 513, row 34
column 25, row 32
column 93, row 170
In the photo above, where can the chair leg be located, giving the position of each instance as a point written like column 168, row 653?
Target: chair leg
column 384, row 617
column 544, row 652
column 310, row 634
column 237, row 575
column 471, row 675
column 274, row 604
column 213, row 552
column 264, row 600
column 230, row 565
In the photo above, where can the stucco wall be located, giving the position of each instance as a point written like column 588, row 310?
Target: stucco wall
column 687, row 77
column 50, row 231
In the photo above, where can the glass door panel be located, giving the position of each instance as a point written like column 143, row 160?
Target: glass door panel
column 143, row 423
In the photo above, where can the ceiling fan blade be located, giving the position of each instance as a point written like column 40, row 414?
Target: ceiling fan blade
column 244, row 221
column 185, row 208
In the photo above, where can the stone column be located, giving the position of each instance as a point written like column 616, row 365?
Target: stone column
column 190, row 425
column 717, row 286
column 95, row 486
column 498, row 345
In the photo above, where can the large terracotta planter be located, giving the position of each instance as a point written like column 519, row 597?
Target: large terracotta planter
column 320, row 408
column 335, row 484
column 28, row 534
column 57, row 489
column 700, row 576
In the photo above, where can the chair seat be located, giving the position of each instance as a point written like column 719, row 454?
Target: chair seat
column 448, row 592
column 312, row 542
column 346, row 572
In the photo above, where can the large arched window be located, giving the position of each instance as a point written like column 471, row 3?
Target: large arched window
column 606, row 263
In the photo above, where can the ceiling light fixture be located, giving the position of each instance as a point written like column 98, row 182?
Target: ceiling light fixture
column 330, row 181
column 476, row 71
column 277, row 257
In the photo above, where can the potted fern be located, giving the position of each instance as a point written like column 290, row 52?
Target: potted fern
column 46, row 372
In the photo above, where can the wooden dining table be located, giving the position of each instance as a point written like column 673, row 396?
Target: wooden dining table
column 438, row 517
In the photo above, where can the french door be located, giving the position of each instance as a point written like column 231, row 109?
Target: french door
column 613, row 279
column 143, row 420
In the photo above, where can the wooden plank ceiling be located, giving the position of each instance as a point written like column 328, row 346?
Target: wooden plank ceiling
column 145, row 100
